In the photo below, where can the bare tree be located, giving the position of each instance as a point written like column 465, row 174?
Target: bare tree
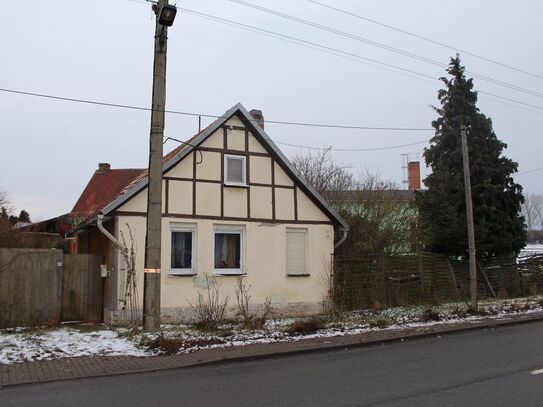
column 381, row 218
column 532, row 209
column 330, row 178
column 4, row 198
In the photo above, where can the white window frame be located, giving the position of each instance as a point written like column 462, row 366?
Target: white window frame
column 232, row 230
column 306, row 272
column 183, row 227
column 243, row 160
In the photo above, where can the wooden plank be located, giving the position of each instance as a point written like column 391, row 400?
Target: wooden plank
column 82, row 289
column 27, row 277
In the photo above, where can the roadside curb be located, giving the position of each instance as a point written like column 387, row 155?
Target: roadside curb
column 413, row 335
column 104, row 366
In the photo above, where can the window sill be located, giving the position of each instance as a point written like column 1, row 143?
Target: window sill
column 229, row 273
column 182, row 274
column 299, row 275
column 234, row 185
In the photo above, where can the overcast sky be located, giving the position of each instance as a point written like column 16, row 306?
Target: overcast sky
column 102, row 50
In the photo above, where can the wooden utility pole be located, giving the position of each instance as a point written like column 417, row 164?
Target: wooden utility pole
column 151, row 281
column 469, row 217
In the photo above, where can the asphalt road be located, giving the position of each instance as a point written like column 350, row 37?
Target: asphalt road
column 482, row 368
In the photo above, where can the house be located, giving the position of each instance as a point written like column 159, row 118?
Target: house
column 233, row 205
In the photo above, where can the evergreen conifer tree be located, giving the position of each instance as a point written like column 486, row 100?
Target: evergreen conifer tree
column 497, row 199
column 24, row 216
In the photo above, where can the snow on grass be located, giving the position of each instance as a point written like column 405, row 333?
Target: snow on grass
column 63, row 342
column 17, row 345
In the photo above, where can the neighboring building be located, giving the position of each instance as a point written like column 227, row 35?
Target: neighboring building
column 232, row 205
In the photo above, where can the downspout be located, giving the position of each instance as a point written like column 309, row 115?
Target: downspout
column 345, row 231
column 99, row 221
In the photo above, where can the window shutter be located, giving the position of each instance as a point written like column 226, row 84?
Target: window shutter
column 296, row 251
column 234, row 170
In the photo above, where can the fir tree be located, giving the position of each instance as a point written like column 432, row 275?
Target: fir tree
column 497, row 199
column 24, row 216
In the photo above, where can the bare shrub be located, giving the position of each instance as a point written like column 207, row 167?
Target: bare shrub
column 305, row 326
column 172, row 345
column 429, row 315
column 250, row 319
column 335, row 298
column 130, row 300
column 209, row 311
column 380, row 323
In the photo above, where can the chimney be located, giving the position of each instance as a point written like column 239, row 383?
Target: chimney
column 413, row 175
column 103, row 167
column 258, row 116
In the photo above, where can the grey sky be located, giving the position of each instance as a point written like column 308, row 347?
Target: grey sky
column 103, row 49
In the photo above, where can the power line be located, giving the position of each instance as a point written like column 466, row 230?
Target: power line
column 382, row 46
column 530, row 171
column 315, row 148
column 426, row 39
column 291, row 123
column 354, row 57
column 353, row 149
column 299, row 40
column 335, row 51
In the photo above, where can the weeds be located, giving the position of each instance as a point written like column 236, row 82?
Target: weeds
column 172, row 345
column 209, row 311
column 305, row 327
column 335, row 296
column 380, row 323
column 249, row 319
column 429, row 315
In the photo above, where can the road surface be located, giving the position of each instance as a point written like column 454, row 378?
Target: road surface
column 494, row 367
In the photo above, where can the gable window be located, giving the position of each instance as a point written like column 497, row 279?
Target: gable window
column 234, row 170
column 297, row 252
column 182, row 251
column 228, row 250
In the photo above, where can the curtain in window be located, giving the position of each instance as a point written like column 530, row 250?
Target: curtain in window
column 181, row 250
column 227, row 250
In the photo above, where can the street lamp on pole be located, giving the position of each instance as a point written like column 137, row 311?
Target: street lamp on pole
column 165, row 15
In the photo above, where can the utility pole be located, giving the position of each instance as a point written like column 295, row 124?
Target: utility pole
column 165, row 15
column 469, row 217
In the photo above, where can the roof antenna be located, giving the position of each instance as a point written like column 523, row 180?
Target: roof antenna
column 199, row 123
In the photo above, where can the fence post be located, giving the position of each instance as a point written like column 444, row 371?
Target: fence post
column 426, row 283
column 384, row 279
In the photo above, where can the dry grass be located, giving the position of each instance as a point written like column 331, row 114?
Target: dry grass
column 305, row 326
column 380, row 323
column 430, row 315
column 172, row 345
column 250, row 319
column 209, row 311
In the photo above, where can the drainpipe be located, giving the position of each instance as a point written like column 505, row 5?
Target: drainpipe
column 99, row 221
column 345, row 231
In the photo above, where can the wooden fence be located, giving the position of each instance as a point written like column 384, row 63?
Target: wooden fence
column 413, row 278
column 81, row 288
column 42, row 286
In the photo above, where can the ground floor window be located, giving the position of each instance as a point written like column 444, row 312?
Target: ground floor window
column 228, row 250
column 297, row 252
column 182, row 249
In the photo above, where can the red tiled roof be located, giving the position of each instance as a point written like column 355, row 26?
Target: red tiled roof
column 103, row 187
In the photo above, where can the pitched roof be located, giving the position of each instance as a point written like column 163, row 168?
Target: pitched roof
column 175, row 156
column 103, row 187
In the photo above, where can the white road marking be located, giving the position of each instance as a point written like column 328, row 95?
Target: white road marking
column 538, row 371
